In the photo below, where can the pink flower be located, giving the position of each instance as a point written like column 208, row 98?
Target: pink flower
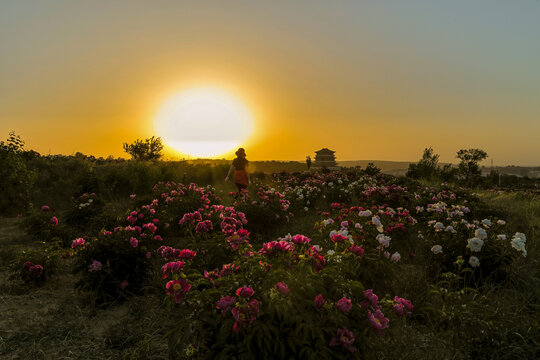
column 132, row 196
column 345, row 337
column 148, row 254
column 54, row 221
column 204, row 226
column 77, row 242
column 356, row 250
column 171, row 267
column 245, row 292
column 245, row 315
column 371, row 299
column 403, row 306
column 124, row 284
column 36, row 271
column 319, row 301
column 45, row 208
column 282, row 288
column 95, row 266
column 158, row 238
column 27, row 265
column 225, row 303
column 344, row 305
column 133, row 242
column 187, row 254
column 177, row 288
column 338, row 238
column 300, row 239
column 377, row 321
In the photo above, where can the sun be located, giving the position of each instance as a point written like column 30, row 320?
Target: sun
column 203, row 122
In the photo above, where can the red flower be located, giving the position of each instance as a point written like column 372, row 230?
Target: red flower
column 245, row 292
column 319, row 301
column 344, row 305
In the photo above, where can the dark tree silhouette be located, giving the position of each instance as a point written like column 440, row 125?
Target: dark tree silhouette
column 149, row 149
column 468, row 167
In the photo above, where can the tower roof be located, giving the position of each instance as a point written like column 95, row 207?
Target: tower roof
column 325, row 151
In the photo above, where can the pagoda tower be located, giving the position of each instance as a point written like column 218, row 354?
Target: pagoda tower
column 325, row 158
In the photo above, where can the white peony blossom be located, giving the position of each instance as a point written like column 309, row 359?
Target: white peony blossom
column 501, row 237
column 486, row 223
column 330, row 252
column 475, row 244
column 396, row 256
column 480, row 233
column 518, row 243
column 473, row 261
column 366, row 213
column 438, row 226
column 384, row 240
column 436, row 249
column 377, row 222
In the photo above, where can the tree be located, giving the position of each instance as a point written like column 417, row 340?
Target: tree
column 149, row 149
column 427, row 167
column 468, row 167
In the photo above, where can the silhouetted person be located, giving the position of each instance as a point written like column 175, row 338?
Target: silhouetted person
column 308, row 162
column 241, row 176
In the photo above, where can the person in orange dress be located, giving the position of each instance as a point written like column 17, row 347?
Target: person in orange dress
column 241, row 176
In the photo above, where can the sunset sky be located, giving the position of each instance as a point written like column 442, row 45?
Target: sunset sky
column 369, row 79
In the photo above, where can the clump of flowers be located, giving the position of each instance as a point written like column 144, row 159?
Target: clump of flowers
column 35, row 271
column 345, row 338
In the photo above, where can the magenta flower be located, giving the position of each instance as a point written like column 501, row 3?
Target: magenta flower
column 300, row 239
column 54, row 221
column 171, row 267
column 225, row 303
column 245, row 292
column 344, row 305
column 345, row 337
column 77, row 242
column 187, row 254
column 27, row 265
column 133, row 242
column 273, row 247
column 35, row 271
column 245, row 315
column 124, row 284
column 45, row 208
column 319, row 301
column 178, row 288
column 371, row 299
column 356, row 250
column 377, row 321
column 95, row 266
column 282, row 288
column 204, row 226
column 338, row 238
column 403, row 306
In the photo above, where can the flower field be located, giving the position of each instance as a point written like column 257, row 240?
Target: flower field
column 332, row 265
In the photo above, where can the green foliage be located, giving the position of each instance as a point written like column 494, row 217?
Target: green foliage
column 148, row 150
column 15, row 178
column 124, row 269
column 371, row 169
column 427, row 168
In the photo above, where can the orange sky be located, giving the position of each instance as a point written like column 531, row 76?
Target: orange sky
column 366, row 79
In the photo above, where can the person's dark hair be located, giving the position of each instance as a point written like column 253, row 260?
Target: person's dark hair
column 240, row 152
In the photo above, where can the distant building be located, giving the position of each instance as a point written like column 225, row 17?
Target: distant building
column 325, row 158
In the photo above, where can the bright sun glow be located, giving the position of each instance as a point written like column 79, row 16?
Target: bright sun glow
column 203, row 122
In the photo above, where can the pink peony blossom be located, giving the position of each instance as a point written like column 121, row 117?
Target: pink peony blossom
column 171, row 267
column 282, row 288
column 345, row 337
column 245, row 292
column 45, row 208
column 356, row 250
column 124, row 284
column 344, row 305
column 377, row 321
column 177, row 288
column 54, row 221
column 133, row 242
column 204, row 226
column 225, row 303
column 35, row 271
column 77, row 242
column 319, row 301
column 95, row 266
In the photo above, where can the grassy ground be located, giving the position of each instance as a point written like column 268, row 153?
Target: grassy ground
column 55, row 322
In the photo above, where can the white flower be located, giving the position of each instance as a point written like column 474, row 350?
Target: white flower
column 330, row 252
column 317, row 247
column 480, row 233
column 450, row 229
column 475, row 244
column 501, row 222
column 473, row 261
column 357, row 226
column 396, row 256
column 377, row 222
column 306, row 208
column 436, row 249
column 501, row 237
column 384, row 240
column 438, row 226
column 518, row 243
column 366, row 213
column 486, row 222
